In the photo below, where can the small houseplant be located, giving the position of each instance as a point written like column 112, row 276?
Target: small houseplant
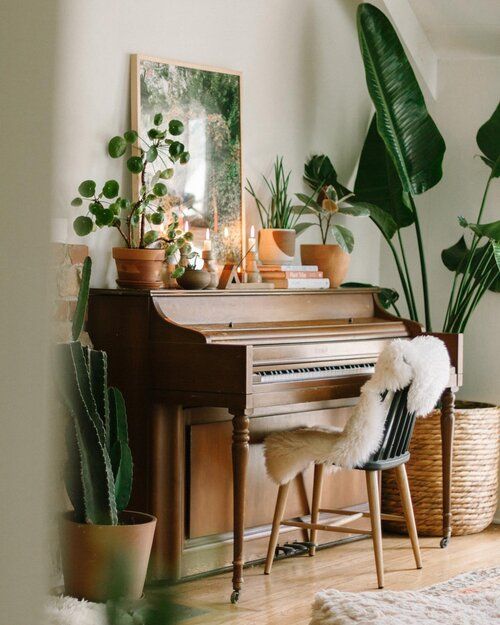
column 193, row 278
column 328, row 199
column 99, row 535
column 139, row 263
column 278, row 218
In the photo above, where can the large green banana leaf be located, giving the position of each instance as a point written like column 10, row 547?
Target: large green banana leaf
column 488, row 140
column 409, row 133
column 377, row 181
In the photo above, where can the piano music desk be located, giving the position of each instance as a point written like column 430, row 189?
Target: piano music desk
column 192, row 364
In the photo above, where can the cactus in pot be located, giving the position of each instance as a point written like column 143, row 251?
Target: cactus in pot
column 99, row 468
column 99, row 535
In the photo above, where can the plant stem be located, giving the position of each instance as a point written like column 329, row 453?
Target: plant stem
column 405, row 264
column 142, row 217
column 490, row 278
column 423, row 268
column 450, row 303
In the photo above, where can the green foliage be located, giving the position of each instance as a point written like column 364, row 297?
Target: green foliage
column 108, row 209
column 488, row 140
column 403, row 122
column 387, row 297
column 279, row 212
column 83, row 298
column 98, row 473
column 325, row 202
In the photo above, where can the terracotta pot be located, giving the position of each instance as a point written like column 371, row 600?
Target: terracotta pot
column 276, row 246
column 104, row 561
column 330, row 259
column 139, row 269
column 194, row 279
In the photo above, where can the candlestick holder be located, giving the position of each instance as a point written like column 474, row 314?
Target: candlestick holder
column 252, row 273
column 210, row 265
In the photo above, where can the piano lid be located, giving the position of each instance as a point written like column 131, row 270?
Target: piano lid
column 279, row 316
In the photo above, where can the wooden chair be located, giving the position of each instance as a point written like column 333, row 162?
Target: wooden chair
column 392, row 454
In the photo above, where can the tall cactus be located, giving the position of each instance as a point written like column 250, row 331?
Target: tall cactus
column 99, row 468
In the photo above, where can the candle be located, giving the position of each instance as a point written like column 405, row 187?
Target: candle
column 226, row 233
column 186, row 225
column 207, row 244
column 251, row 238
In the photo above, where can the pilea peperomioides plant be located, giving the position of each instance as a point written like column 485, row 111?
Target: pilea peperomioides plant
column 153, row 160
column 99, row 468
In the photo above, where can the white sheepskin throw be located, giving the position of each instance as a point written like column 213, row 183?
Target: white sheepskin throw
column 422, row 363
column 469, row 599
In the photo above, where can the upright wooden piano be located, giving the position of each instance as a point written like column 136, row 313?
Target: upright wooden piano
column 207, row 374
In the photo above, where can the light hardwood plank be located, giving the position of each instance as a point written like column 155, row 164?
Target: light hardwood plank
column 285, row 597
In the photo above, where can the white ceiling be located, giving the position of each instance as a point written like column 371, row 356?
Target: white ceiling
column 460, row 28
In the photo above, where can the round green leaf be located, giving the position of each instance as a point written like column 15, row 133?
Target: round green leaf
column 175, row 127
column 154, row 133
column 157, row 218
column 95, row 207
column 111, row 189
column 135, row 219
column 87, row 188
column 83, row 226
column 184, row 157
column 171, row 249
column 166, row 174
column 152, row 154
column 130, row 136
column 135, row 164
column 124, row 203
column 176, row 149
column 160, row 189
column 178, row 272
column 105, row 217
column 150, row 237
column 158, row 119
column 115, row 207
column 117, row 147
column 77, row 201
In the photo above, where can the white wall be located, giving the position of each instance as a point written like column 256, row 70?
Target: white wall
column 467, row 96
column 27, row 35
column 303, row 90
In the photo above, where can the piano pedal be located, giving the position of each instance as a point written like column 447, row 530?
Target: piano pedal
column 289, row 550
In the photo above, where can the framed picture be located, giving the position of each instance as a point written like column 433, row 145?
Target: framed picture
column 207, row 191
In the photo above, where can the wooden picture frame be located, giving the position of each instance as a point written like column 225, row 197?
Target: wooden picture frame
column 208, row 191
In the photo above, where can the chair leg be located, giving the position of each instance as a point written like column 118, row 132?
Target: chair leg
column 316, row 502
column 374, row 504
column 275, row 532
column 404, row 491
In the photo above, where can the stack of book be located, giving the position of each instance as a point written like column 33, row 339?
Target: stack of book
column 294, row 276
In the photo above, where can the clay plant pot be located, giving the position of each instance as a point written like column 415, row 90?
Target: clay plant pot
column 330, row 259
column 194, row 279
column 276, row 246
column 104, row 561
column 139, row 269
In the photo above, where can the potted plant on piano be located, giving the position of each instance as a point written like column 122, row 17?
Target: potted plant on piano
column 329, row 199
column 278, row 218
column 105, row 548
column 143, row 223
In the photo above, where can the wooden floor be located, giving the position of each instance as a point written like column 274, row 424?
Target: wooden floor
column 285, row 597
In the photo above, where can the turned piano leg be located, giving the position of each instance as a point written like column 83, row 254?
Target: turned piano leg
column 447, row 431
column 240, row 450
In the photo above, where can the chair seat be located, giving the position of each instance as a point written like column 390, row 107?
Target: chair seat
column 381, row 465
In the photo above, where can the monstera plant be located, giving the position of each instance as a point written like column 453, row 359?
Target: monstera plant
column 402, row 158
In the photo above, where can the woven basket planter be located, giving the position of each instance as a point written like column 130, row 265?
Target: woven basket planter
column 474, row 476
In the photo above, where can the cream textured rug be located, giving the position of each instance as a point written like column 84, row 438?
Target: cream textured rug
column 469, row 599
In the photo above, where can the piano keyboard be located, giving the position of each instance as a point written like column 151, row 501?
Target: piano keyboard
column 313, row 373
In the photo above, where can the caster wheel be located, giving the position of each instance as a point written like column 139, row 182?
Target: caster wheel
column 444, row 542
column 235, row 595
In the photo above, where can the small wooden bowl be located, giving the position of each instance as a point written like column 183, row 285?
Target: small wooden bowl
column 194, row 279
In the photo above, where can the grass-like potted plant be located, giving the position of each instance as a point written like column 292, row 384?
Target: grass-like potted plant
column 278, row 218
column 329, row 199
column 139, row 263
column 99, row 536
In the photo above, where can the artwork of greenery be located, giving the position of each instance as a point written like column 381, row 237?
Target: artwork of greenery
column 207, row 192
